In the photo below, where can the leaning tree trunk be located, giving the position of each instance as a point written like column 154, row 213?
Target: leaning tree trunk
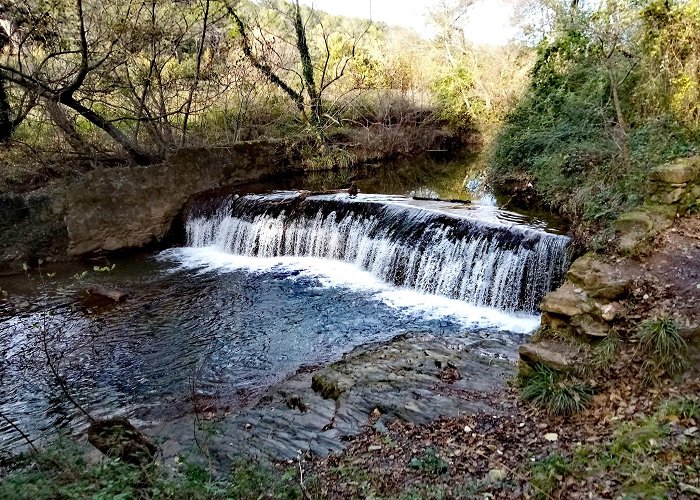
column 140, row 156
column 6, row 124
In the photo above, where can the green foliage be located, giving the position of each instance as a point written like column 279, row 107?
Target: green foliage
column 663, row 346
column 587, row 158
column 429, row 463
column 326, row 158
column 546, row 474
column 635, row 459
column 549, row 390
column 687, row 408
column 62, row 472
column 605, row 350
column 452, row 92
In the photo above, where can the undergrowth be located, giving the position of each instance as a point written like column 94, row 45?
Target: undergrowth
column 61, row 471
column 643, row 458
column 551, row 391
column 663, row 347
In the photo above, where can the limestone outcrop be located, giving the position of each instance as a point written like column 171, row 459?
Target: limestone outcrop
column 589, row 301
column 132, row 207
column 593, row 299
column 674, row 188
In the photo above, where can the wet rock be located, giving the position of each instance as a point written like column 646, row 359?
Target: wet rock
column 556, row 355
column 296, row 402
column 369, row 386
column 100, row 297
column 118, row 438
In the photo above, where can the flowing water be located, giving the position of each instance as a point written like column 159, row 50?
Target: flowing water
column 265, row 284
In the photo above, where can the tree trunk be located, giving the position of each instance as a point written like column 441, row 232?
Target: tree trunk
column 130, row 146
column 307, row 68
column 59, row 117
column 200, row 53
column 6, row 125
column 621, row 123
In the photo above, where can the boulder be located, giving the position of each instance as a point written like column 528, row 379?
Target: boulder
column 598, row 278
column 566, row 301
column 118, row 438
column 591, row 325
column 556, row 355
column 679, row 171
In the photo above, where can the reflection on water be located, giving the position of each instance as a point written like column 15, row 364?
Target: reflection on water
column 462, row 178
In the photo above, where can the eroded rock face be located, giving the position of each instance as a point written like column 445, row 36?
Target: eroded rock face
column 599, row 279
column 131, row 207
column 680, row 171
column 588, row 303
column 556, row 355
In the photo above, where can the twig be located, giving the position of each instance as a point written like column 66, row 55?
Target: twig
column 20, row 432
column 304, row 492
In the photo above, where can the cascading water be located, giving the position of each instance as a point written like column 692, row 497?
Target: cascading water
column 222, row 312
column 485, row 261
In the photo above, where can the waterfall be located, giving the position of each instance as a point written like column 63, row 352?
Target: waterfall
column 484, row 262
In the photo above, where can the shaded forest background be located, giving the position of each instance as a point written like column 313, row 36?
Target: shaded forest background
column 581, row 105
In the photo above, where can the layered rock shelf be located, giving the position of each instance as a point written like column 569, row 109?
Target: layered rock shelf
column 595, row 298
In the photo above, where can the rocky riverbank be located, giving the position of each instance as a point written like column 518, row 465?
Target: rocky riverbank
column 653, row 270
column 412, row 378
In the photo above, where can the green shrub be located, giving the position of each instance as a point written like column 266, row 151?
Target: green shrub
column 546, row 474
column 430, row 463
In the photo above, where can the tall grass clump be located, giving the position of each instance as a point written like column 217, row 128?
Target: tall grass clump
column 551, row 391
column 663, row 346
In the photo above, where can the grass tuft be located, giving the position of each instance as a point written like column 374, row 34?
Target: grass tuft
column 547, row 473
column 547, row 389
column 663, row 346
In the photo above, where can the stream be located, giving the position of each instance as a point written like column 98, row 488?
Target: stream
column 267, row 283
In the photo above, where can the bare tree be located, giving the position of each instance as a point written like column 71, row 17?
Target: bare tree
column 303, row 78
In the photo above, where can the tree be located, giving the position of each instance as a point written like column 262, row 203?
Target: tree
column 62, row 71
column 311, row 76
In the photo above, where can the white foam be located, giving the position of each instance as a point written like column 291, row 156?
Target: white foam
column 331, row 273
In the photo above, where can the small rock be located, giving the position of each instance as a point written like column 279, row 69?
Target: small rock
column 380, row 427
column 691, row 431
column 467, row 429
column 374, row 447
column 551, row 436
column 496, row 475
